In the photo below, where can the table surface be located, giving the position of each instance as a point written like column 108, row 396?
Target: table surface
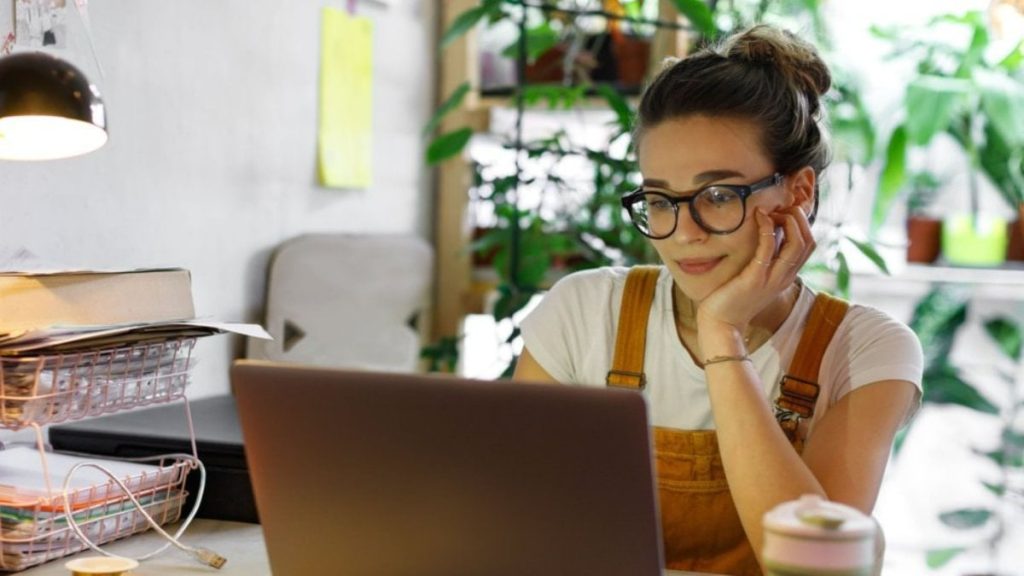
column 241, row 543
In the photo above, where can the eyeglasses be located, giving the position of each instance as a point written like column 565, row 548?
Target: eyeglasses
column 717, row 209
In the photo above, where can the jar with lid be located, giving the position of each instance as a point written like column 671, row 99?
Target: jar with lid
column 813, row 536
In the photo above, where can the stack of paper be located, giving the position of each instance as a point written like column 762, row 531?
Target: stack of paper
column 64, row 339
column 33, row 524
column 81, row 343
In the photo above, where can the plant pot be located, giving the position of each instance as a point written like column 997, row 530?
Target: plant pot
column 969, row 243
column 613, row 58
column 632, row 56
column 1015, row 246
column 924, row 239
column 482, row 253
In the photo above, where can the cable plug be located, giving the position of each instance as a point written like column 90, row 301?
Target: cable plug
column 209, row 557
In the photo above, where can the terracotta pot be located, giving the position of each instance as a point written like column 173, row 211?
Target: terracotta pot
column 483, row 258
column 1015, row 247
column 632, row 56
column 924, row 239
column 549, row 66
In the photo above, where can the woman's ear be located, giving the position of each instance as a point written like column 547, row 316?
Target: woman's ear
column 800, row 185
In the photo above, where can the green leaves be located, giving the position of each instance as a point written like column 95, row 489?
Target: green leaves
column 966, row 518
column 943, row 385
column 1004, row 165
column 931, row 102
column 852, row 127
column 940, row 557
column 842, row 275
column 539, row 40
column 511, row 299
column 468, row 19
column 894, row 175
column 869, row 251
column 448, row 145
column 1006, row 459
column 1007, row 335
column 442, row 355
column 1002, row 99
column 618, row 104
column 936, row 319
column 555, row 95
column 1013, row 59
column 451, row 103
column 698, row 13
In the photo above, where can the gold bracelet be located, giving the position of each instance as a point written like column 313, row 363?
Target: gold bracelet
column 720, row 359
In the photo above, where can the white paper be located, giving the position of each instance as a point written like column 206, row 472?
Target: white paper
column 22, row 481
column 114, row 335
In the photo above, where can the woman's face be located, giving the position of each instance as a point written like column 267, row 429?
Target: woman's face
column 686, row 154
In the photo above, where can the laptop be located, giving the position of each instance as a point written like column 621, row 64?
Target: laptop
column 392, row 474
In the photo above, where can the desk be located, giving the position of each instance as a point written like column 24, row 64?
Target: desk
column 242, row 544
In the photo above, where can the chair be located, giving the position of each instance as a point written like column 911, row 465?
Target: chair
column 346, row 300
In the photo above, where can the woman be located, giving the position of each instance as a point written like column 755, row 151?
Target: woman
column 731, row 152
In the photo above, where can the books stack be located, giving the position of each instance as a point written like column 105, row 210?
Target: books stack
column 76, row 344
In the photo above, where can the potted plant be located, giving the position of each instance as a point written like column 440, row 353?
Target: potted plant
column 963, row 93
column 924, row 226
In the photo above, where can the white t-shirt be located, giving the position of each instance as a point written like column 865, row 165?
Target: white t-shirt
column 571, row 334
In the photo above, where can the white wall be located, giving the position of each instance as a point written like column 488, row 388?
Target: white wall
column 211, row 162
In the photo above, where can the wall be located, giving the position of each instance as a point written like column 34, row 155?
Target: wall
column 212, row 110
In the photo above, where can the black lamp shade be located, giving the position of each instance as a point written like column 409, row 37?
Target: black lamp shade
column 48, row 109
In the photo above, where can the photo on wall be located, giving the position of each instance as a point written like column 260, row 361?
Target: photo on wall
column 41, row 23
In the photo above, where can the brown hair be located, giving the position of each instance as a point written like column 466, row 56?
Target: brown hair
column 763, row 74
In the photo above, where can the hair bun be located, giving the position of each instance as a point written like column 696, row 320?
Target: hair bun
column 757, row 50
column 796, row 59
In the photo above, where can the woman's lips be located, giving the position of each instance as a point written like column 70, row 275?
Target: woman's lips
column 697, row 266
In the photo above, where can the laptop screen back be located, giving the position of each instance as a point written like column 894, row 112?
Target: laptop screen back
column 394, row 474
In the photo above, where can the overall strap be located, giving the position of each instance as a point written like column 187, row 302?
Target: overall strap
column 631, row 336
column 799, row 386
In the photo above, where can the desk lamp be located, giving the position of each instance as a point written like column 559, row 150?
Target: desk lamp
column 48, row 109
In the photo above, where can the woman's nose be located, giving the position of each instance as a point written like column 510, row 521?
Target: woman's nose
column 687, row 229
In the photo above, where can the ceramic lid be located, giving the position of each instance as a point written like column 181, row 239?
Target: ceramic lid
column 813, row 516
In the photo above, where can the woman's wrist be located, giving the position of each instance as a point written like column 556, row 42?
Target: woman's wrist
column 720, row 339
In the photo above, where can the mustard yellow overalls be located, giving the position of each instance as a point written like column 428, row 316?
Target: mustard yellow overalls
column 701, row 528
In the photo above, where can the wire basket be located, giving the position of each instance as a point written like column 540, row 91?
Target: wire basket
column 59, row 387
column 37, row 531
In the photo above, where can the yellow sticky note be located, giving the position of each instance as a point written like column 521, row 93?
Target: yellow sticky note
column 346, row 101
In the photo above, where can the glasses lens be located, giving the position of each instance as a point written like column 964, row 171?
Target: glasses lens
column 654, row 214
column 720, row 209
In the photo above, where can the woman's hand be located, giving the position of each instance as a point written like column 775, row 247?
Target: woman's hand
column 729, row 310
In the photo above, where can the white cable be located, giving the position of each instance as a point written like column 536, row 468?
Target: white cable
column 204, row 555
column 83, row 16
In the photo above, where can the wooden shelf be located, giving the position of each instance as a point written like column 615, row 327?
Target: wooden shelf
column 1003, row 283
